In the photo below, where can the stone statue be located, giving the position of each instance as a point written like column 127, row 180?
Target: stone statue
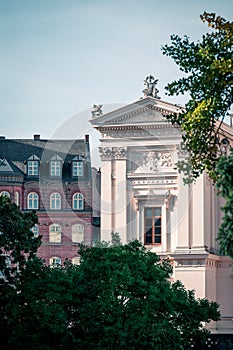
column 97, row 110
column 150, row 89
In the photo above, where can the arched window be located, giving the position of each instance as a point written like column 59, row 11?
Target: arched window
column 78, row 203
column 55, row 201
column 35, row 230
column 5, row 193
column 55, row 261
column 55, row 233
column 77, row 233
column 33, row 165
column 76, row 260
column 33, row 201
column 17, row 198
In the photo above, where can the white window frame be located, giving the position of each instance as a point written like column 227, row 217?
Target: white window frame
column 77, row 168
column 55, row 261
column 55, row 201
column 32, row 200
column 35, row 230
column 33, row 168
column 55, row 168
column 6, row 194
column 55, row 233
column 78, row 201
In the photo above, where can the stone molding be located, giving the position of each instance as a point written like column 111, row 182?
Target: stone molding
column 109, row 153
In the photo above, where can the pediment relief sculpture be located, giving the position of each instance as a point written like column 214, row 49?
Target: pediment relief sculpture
column 153, row 161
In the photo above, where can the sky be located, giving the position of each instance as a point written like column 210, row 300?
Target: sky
column 59, row 57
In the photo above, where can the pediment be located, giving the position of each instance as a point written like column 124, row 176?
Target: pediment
column 148, row 110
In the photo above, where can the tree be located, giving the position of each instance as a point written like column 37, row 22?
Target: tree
column 208, row 65
column 17, row 246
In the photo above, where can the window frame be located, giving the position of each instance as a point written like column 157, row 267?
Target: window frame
column 52, row 261
column 155, row 227
column 75, row 233
column 55, row 168
column 55, row 203
column 76, row 201
column 5, row 193
column 54, row 233
column 32, row 167
column 77, row 168
column 33, row 200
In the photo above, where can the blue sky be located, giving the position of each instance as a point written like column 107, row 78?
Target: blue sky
column 59, row 57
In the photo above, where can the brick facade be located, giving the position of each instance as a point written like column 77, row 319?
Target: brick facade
column 19, row 183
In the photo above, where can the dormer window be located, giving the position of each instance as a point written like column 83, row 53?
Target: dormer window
column 56, row 166
column 33, row 165
column 77, row 166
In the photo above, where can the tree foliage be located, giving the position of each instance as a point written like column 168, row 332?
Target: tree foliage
column 119, row 297
column 224, row 183
column 208, row 79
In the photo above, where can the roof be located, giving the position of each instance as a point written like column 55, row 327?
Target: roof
column 14, row 153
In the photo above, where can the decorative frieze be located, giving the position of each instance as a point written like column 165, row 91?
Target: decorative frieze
column 108, row 153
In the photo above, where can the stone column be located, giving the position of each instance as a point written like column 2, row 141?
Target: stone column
column 106, row 193
column 120, row 206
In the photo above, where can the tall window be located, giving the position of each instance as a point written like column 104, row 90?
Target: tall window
column 55, row 201
column 55, row 233
column 55, row 166
column 153, row 228
column 78, row 233
column 78, row 203
column 33, row 166
column 33, row 201
column 35, row 230
column 77, row 168
column 17, row 198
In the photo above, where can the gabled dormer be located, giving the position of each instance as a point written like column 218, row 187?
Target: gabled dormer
column 55, row 166
column 33, row 165
column 77, row 166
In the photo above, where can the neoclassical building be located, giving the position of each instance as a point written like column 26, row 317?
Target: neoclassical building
column 143, row 197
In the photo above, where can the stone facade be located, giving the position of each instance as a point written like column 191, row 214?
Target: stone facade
column 143, row 197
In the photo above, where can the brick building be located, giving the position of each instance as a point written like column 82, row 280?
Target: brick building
column 53, row 177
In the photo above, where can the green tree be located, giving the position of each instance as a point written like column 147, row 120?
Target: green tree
column 208, row 79
column 208, row 68
column 17, row 246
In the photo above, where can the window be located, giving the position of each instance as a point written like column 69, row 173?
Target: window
column 33, row 201
column 5, row 193
column 76, row 260
column 55, row 201
column 77, row 168
column 78, row 233
column 35, row 230
column 55, row 261
column 153, row 228
column 78, row 201
column 33, row 166
column 17, row 198
column 55, row 233
column 55, row 166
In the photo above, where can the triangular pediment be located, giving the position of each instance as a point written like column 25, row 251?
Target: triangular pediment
column 148, row 110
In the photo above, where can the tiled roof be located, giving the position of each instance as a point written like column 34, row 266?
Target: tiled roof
column 16, row 152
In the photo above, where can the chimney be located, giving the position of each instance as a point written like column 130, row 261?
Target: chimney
column 36, row 137
column 87, row 138
column 2, row 137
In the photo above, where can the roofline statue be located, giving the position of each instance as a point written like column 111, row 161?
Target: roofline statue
column 97, row 110
column 151, row 89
